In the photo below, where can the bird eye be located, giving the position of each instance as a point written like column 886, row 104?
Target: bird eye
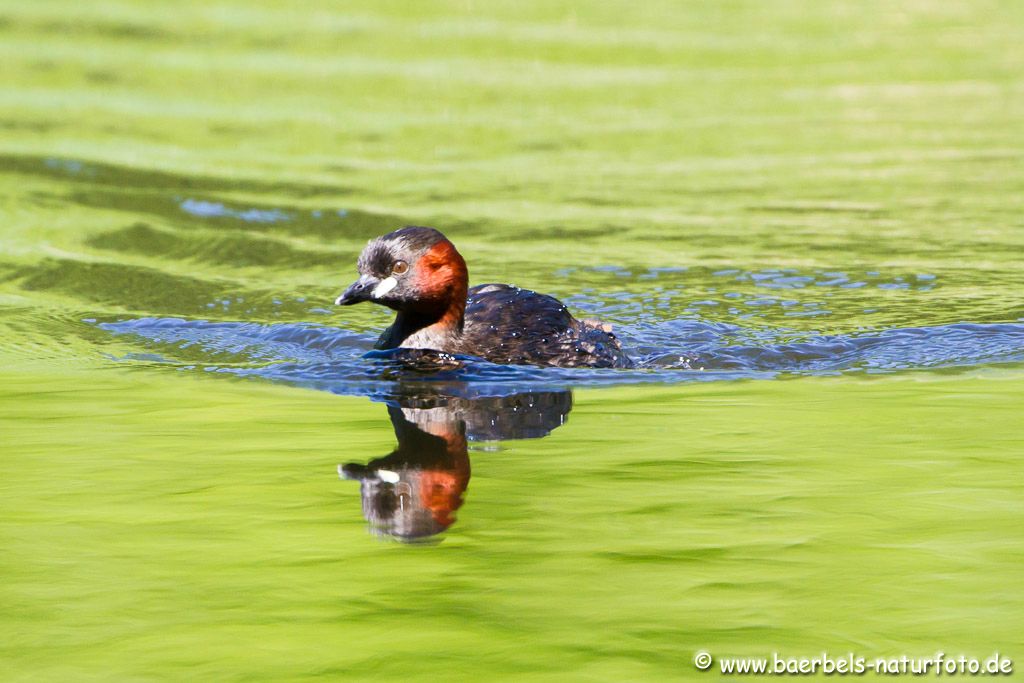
column 399, row 267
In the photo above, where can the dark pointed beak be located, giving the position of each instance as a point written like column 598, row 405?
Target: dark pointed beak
column 354, row 471
column 358, row 291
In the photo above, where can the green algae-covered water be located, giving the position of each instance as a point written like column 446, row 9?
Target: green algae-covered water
column 803, row 219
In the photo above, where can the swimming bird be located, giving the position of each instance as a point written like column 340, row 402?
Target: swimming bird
column 417, row 272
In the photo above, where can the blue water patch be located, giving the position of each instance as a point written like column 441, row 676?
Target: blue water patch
column 337, row 360
column 207, row 209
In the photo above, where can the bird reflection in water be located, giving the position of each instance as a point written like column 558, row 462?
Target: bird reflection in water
column 412, row 494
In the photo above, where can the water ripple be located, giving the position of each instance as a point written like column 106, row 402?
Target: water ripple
column 336, row 360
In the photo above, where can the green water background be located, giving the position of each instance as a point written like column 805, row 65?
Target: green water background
column 159, row 524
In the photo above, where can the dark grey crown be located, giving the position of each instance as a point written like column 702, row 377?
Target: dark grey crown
column 408, row 243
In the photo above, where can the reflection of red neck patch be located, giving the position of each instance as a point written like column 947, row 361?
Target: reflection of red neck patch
column 441, row 493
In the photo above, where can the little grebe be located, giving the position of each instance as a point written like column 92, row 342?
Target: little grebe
column 417, row 272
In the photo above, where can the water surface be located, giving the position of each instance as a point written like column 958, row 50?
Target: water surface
column 803, row 221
